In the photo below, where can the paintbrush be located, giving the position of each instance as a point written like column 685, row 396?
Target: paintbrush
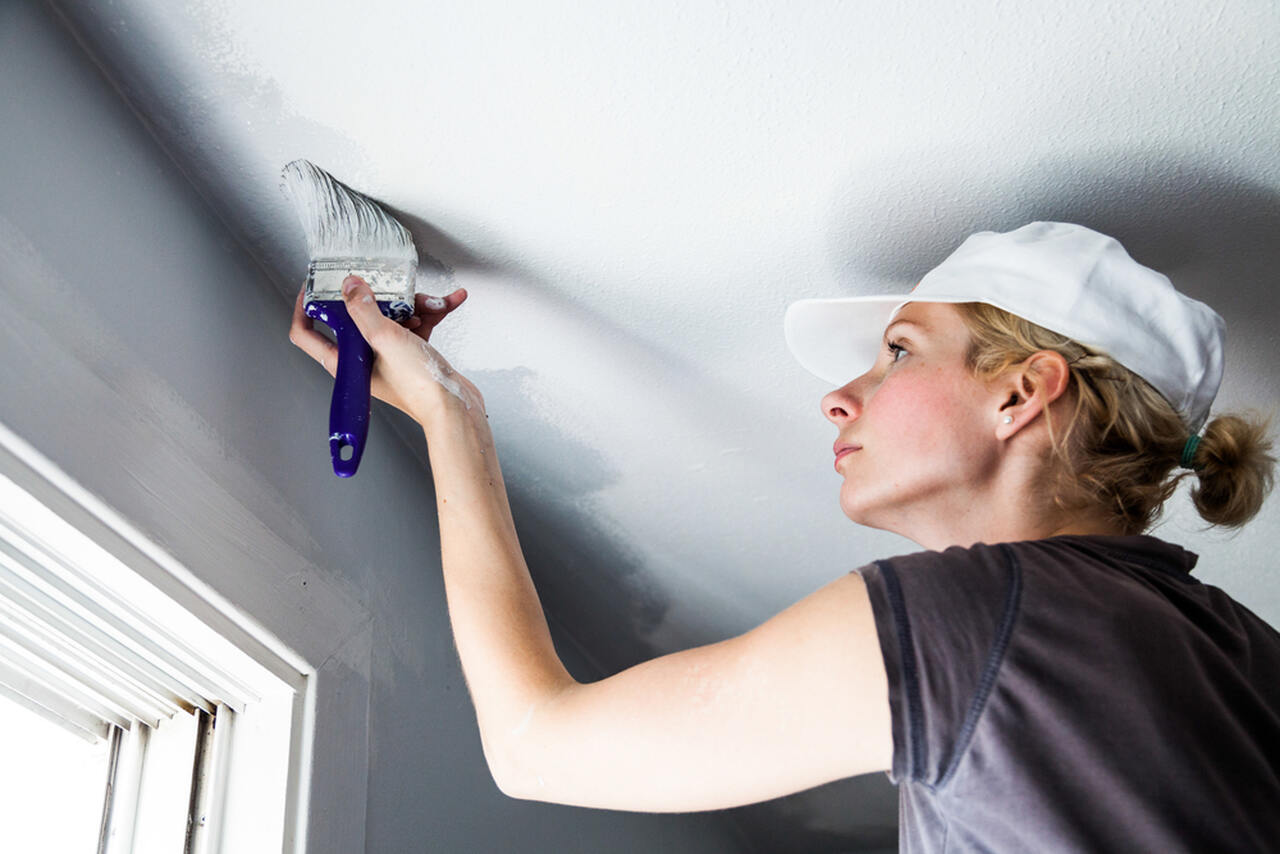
column 349, row 234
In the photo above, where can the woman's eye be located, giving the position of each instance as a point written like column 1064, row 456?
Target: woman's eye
column 896, row 350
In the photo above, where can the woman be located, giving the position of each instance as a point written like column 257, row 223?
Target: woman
column 1043, row 677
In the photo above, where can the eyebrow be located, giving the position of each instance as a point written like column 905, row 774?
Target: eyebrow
column 904, row 321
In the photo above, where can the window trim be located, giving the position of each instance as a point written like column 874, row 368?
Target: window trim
column 305, row 798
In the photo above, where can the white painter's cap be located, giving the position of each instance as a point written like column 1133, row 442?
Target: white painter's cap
column 1066, row 278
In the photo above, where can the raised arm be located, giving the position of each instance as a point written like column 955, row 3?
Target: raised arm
column 798, row 701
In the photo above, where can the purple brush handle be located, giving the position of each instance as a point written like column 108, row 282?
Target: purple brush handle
column 349, row 411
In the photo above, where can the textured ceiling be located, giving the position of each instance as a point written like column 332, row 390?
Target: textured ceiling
column 633, row 192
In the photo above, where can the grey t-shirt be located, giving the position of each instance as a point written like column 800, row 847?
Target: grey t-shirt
column 1077, row 693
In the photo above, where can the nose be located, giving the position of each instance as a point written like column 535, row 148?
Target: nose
column 843, row 404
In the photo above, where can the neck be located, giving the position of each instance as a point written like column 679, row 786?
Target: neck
column 1011, row 506
column 938, row 537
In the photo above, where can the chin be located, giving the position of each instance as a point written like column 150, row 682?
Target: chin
column 857, row 511
column 867, row 514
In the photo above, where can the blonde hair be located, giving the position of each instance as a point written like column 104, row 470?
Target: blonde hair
column 1123, row 440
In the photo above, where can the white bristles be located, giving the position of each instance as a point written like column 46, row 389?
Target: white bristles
column 342, row 223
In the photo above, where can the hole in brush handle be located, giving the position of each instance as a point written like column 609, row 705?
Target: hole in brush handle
column 345, row 454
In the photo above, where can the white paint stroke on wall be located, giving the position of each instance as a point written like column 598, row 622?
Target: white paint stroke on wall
column 634, row 191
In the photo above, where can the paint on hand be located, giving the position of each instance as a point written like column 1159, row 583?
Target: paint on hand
column 442, row 373
column 434, row 303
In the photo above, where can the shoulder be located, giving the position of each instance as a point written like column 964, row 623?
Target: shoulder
column 941, row 575
column 955, row 557
column 1047, row 556
column 944, row 619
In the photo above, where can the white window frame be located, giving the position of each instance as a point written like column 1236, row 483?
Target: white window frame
column 203, row 814
column 309, row 804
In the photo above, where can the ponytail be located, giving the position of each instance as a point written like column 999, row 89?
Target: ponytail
column 1234, row 468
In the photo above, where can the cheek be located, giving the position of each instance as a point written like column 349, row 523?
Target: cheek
column 923, row 435
column 925, row 409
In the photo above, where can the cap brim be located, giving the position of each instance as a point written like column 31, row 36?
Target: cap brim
column 839, row 339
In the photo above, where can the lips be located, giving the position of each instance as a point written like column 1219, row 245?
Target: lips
column 844, row 449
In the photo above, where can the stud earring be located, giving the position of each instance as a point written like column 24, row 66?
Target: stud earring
column 1008, row 419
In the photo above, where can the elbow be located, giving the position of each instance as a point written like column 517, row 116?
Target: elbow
column 513, row 792
column 503, row 771
column 519, row 783
column 503, row 778
column 503, row 782
column 520, row 755
column 513, row 785
column 521, row 777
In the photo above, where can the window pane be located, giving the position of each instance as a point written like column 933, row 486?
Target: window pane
column 52, row 784
column 166, row 787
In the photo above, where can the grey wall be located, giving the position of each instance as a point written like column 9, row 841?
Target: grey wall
column 146, row 354
column 631, row 193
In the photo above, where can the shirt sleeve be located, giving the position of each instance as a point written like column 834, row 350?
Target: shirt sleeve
column 944, row 620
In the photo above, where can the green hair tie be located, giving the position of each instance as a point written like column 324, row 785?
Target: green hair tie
column 1189, row 451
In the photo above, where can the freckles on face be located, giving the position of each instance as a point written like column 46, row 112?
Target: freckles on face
column 912, row 398
column 921, row 429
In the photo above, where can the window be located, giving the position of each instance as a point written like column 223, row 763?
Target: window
column 131, row 725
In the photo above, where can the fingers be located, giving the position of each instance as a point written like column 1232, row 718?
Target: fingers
column 299, row 314
column 429, row 305
column 303, row 334
column 429, row 310
column 363, row 308
column 369, row 319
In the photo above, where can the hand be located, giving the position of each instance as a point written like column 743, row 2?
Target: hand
column 408, row 372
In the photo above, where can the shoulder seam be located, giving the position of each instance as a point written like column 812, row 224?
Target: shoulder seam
column 906, row 652
column 991, row 670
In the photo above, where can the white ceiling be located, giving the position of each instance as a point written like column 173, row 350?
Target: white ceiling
column 633, row 192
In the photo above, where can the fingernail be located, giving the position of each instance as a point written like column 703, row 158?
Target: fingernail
column 349, row 284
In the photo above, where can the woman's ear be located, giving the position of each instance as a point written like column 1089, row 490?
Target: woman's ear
column 1028, row 388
